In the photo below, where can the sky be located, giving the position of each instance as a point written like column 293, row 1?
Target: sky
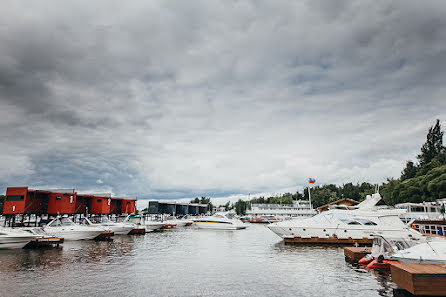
column 178, row 99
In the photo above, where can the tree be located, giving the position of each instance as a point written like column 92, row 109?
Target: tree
column 195, row 200
column 240, row 207
column 409, row 172
column 433, row 145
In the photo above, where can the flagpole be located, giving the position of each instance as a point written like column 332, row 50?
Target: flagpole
column 309, row 195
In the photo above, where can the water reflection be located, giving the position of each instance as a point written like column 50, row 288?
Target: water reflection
column 188, row 262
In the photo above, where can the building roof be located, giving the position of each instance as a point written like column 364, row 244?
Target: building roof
column 338, row 202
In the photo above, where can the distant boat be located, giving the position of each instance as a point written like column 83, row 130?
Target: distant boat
column 219, row 221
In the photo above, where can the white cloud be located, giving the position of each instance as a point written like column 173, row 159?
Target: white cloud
column 216, row 98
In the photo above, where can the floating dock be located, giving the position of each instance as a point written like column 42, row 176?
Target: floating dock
column 329, row 241
column 44, row 242
column 356, row 253
column 138, row 231
column 420, row 279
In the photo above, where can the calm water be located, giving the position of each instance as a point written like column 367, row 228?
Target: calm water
column 187, row 262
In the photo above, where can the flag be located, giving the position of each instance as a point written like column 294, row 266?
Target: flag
column 311, row 180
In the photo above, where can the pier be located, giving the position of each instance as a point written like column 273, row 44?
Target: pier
column 356, row 253
column 420, row 279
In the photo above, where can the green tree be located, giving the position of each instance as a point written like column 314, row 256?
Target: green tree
column 409, row 171
column 433, row 145
column 240, row 207
column 2, row 202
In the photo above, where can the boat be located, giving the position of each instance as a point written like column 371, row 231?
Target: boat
column 42, row 239
column 14, row 238
column 429, row 252
column 65, row 228
column 153, row 225
column 346, row 225
column 266, row 219
column 218, row 221
column 118, row 228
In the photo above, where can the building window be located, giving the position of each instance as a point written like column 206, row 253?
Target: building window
column 58, row 197
column 128, row 203
column 15, row 198
column 99, row 200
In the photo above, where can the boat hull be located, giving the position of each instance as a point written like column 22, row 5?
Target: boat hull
column 329, row 240
column 218, row 226
column 15, row 242
column 70, row 235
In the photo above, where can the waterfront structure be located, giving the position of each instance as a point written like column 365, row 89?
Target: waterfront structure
column 299, row 209
column 26, row 201
column 174, row 208
column 421, row 211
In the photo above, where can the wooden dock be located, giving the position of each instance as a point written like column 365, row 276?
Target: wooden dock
column 44, row 242
column 420, row 279
column 356, row 253
column 329, row 241
column 138, row 231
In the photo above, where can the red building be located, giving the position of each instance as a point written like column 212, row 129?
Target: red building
column 100, row 204
column 22, row 200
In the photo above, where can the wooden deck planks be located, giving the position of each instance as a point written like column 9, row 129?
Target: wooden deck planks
column 420, row 279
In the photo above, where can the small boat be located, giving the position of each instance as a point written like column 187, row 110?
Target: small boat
column 65, row 228
column 266, row 219
column 219, row 221
column 118, row 228
column 430, row 252
column 42, row 239
column 153, row 225
column 14, row 238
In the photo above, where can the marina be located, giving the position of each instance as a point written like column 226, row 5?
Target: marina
column 189, row 262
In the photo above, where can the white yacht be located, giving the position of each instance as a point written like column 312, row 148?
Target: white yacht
column 65, row 228
column 141, row 222
column 348, row 225
column 14, row 238
column 219, row 221
column 118, row 228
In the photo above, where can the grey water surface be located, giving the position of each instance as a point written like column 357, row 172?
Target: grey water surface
column 187, row 262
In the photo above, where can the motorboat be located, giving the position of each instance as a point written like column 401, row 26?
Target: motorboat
column 219, row 221
column 141, row 223
column 394, row 250
column 14, row 238
column 346, row 225
column 118, row 228
column 429, row 252
column 153, row 225
column 42, row 239
column 266, row 219
column 65, row 228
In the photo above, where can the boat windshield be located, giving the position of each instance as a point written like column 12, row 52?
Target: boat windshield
column 61, row 222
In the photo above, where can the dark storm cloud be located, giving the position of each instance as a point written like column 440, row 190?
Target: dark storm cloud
column 174, row 99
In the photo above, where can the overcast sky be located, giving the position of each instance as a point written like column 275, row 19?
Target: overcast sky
column 177, row 99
